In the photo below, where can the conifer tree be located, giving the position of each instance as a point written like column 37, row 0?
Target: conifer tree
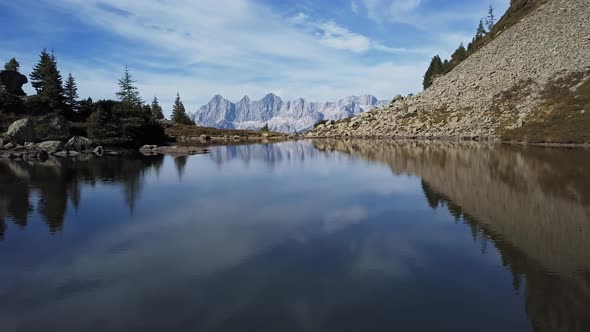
column 265, row 128
column 71, row 93
column 459, row 55
column 128, row 92
column 491, row 19
column 480, row 32
column 179, row 115
column 156, row 109
column 435, row 68
column 12, row 65
column 47, row 80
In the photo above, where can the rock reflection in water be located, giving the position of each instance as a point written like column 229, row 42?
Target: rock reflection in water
column 532, row 203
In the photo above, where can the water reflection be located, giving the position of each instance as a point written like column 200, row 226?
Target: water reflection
column 532, row 204
column 321, row 236
column 56, row 183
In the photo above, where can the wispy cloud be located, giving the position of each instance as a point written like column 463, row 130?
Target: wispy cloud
column 232, row 47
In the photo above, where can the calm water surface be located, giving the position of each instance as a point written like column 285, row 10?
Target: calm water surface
column 299, row 236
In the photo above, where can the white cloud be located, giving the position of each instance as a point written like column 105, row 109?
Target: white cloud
column 231, row 47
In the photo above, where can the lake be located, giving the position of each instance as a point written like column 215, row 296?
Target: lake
column 299, row 236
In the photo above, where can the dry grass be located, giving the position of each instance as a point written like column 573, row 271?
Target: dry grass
column 563, row 116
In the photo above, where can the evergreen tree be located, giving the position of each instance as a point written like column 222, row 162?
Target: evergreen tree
column 491, row 19
column 39, row 71
column 47, row 80
column 265, row 128
column 435, row 68
column 128, row 92
column 179, row 115
column 480, row 32
column 459, row 55
column 12, row 65
column 156, row 109
column 71, row 93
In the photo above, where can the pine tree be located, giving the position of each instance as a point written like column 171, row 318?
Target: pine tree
column 40, row 71
column 491, row 19
column 128, row 92
column 156, row 109
column 459, row 55
column 265, row 128
column 12, row 65
column 179, row 115
column 47, row 80
column 71, row 93
column 435, row 68
column 480, row 32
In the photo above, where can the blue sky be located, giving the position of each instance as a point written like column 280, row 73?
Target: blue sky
column 319, row 50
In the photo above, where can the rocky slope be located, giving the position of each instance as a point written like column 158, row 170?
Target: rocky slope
column 530, row 83
column 283, row 116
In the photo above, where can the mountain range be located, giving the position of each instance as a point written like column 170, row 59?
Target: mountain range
column 283, row 116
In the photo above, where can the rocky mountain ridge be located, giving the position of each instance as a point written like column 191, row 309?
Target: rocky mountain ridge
column 283, row 116
column 530, row 83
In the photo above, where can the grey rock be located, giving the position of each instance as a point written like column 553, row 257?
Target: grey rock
column 21, row 131
column 79, row 143
column 50, row 146
column 9, row 146
column 205, row 137
column 52, row 126
column 12, row 82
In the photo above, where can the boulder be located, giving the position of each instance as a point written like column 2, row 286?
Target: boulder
column 78, row 143
column 21, row 131
column 205, row 137
column 52, row 126
column 9, row 146
column 50, row 146
column 12, row 82
column 148, row 147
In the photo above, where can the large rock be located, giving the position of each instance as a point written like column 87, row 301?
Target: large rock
column 50, row 146
column 21, row 131
column 79, row 143
column 12, row 82
column 52, row 126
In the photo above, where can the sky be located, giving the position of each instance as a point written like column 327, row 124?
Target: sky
column 317, row 50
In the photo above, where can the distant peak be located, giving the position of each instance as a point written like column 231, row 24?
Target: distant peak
column 246, row 98
column 217, row 98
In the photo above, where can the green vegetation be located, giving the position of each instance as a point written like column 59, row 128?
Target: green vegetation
column 123, row 122
column 12, row 65
column 71, row 94
column 157, row 112
column 179, row 115
column 435, row 69
column 47, row 81
column 265, row 128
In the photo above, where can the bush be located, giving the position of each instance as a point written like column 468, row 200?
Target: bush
column 37, row 105
column 10, row 103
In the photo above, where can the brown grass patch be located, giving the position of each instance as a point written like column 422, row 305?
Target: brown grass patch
column 564, row 115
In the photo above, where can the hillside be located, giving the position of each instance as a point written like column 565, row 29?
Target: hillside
column 283, row 116
column 529, row 81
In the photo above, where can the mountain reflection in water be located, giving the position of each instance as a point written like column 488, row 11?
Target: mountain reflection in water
column 299, row 236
